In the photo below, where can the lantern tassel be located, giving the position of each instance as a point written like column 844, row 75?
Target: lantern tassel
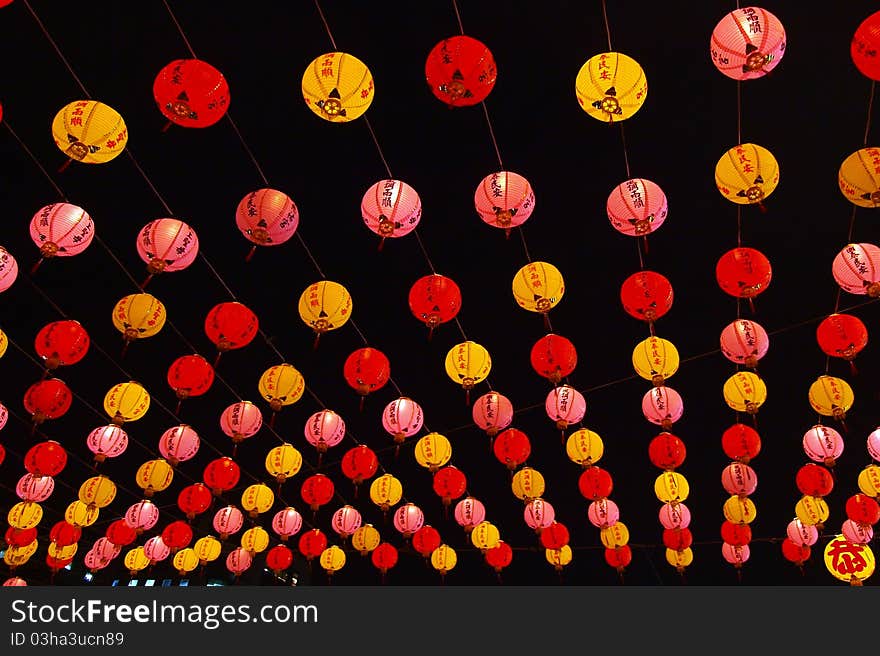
column 467, row 397
column 315, row 343
column 620, row 575
column 217, row 359
column 64, row 166
column 146, row 281
column 546, row 321
column 430, row 332
column 177, row 409
column 250, row 254
column 320, row 457
column 125, row 344
column 361, row 404
column 167, row 126
column 36, row 265
column 752, row 304
column 272, row 420
column 645, row 242
column 234, row 449
column 381, row 244
column 852, row 368
column 739, row 575
column 396, row 451
column 507, row 233
column 762, row 207
column 498, row 578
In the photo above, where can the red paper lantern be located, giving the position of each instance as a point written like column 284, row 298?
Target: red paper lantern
column 646, row 295
column 743, row 272
column 317, row 490
column 741, row 442
column 449, row 483
column 863, row 509
column 312, row 543
column 231, row 325
column 366, row 370
column 814, row 480
column 62, row 343
column 221, row 475
column 359, row 463
column 842, row 336
column 736, row 534
column 191, row 93
column 554, row 357
column 460, row 71
column 21, row 537
column 279, row 558
column 45, row 459
column 499, row 556
column 677, row 539
column 120, row 533
column 194, row 500
column 190, row 375
column 425, row 540
column 619, row 557
column 555, row 536
column 797, row 554
column 434, row 299
column 667, row 451
column 865, row 47
column 47, row 399
column 595, row 483
column 511, row 447
column 384, row 557
column 177, row 535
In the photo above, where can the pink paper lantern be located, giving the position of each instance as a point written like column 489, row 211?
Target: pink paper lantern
column 14, row 582
column 539, row 514
column 801, row 534
column 674, row 515
column 603, row 513
column 469, row 512
column 94, row 562
column 239, row 560
column 408, row 519
column 105, row 550
column 156, row 550
column 167, row 245
column 493, row 412
column 286, row 523
column 874, row 444
column 504, row 200
column 402, row 418
column 856, row 268
column 4, row 415
column 747, row 43
column 267, row 217
column 345, row 521
column 823, row 444
column 662, row 406
column 739, row 478
column 857, row 532
column 35, row 488
column 241, row 420
column 107, row 442
column 637, row 207
column 565, row 405
column 228, row 521
column 179, row 444
column 324, row 429
column 744, row 342
column 62, row 229
column 8, row 269
column 142, row 516
column 391, row 208
column 735, row 554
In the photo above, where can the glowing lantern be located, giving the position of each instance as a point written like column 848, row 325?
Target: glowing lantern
column 345, row 521
column 283, row 461
column 241, row 420
column 869, row 481
column 802, row 534
column 255, row 540
column 325, row 306
column 15, row 581
column 485, row 536
column 179, row 444
column 856, row 269
column 512, row 448
column 468, row 363
column 603, row 513
column 230, row 325
column 619, row 557
column 493, row 412
column 743, row 272
column 434, row 299
column 8, row 269
column 279, row 558
column 167, row 245
column 97, row 491
column 89, row 131
column 646, row 295
column 637, row 207
column 738, row 478
column 34, row 488
column 874, row 444
column 17, row 556
column 666, row 451
column 747, row 43
column 324, row 429
column 863, row 509
column 595, row 483
column 864, row 47
column 312, row 543
column 281, row 385
column 62, row 230
column 444, row 559
column 108, row 442
column 16, row 537
column 62, row 343
column 559, row 558
column 847, row 561
column 136, row 560
column 227, row 521
column 47, row 399
column 365, row 539
column 221, row 475
column 156, row 550
column 366, row 370
column 842, row 336
column 584, row 447
column 386, row 491
column 106, row 550
column 266, row 217
column 126, row 402
column 332, row 559
column 177, row 535
column 432, row 451
column 402, row 418
column 747, row 174
column 736, row 555
column 739, row 510
column 831, row 396
column 539, row 514
column 391, row 208
column 359, row 463
column 611, row 86
column 675, row 515
column 460, row 71
column 744, row 342
column 812, row 511
column 257, row 499
column 616, row 535
column 554, row 357
column 140, row 516
column 662, row 406
column 671, row 487
column 154, row 476
column 565, row 406
column 538, row 287
column 741, row 442
column 857, row 532
column 191, row 93
column 677, row 539
column 812, row 479
column 425, row 540
column 858, row 179
column 338, row 87
column 469, row 512
column 384, row 557
column 45, row 458
column 408, row 519
column 185, row 561
column 655, row 359
column 504, row 200
column 745, row 391
column 527, row 484
column 449, row 483
column 190, row 375
column 4, row 343
column 680, row 560
column 80, row 514
column 138, row 316
column 286, row 523
column 317, row 490
column 238, row 561
column 94, row 562
column 207, row 549
column 194, row 499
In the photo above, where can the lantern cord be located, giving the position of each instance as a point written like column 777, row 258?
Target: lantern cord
column 229, row 291
column 179, row 29
column 607, row 28
column 458, row 16
column 492, row 135
column 36, row 161
column 425, row 252
column 57, row 49
column 870, row 109
column 625, row 153
column 149, row 182
column 309, row 253
column 739, row 226
column 738, row 112
column 378, row 147
column 522, row 238
column 247, row 149
column 326, row 24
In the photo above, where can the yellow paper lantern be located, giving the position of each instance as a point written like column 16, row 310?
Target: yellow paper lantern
column 745, row 391
column 584, row 447
column 559, row 558
column 859, row 177
column 89, row 131
column 62, row 553
column 527, row 484
column 680, row 559
column 538, row 287
column 207, row 549
column 616, row 535
column 281, row 385
column 81, row 514
column 25, row 551
column 812, row 511
column 24, row 515
column 365, row 538
column 848, row 561
column 255, row 540
column 257, row 499
column 432, row 451
column 185, row 561
column 19, row 556
column 332, row 559
column 611, row 86
column 468, row 363
column 831, row 396
column 671, row 487
column 655, row 359
column 283, row 462
column 154, row 476
column 485, row 536
column 138, row 316
column 386, row 491
column 136, row 560
column 126, row 402
column 869, row 481
column 746, row 174
column 4, row 343
column 338, row 87
column 739, row 510
column 325, row 306
column 444, row 559
column 97, row 491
